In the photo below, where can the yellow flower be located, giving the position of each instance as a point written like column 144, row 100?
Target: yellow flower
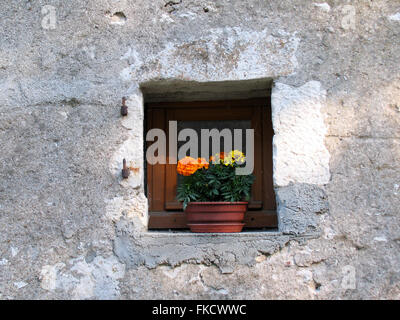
column 229, row 158
column 238, row 156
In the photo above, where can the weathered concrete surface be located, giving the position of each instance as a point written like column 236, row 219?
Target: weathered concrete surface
column 64, row 209
column 299, row 208
column 299, row 133
column 225, row 251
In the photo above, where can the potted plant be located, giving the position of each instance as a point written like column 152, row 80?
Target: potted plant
column 214, row 197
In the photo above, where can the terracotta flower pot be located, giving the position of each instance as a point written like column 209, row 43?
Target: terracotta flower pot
column 216, row 216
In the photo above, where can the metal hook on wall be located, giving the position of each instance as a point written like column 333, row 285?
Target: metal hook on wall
column 125, row 170
column 124, row 108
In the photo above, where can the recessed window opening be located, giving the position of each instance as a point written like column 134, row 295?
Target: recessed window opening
column 213, row 105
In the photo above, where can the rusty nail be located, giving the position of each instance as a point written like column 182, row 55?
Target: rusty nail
column 124, row 108
column 125, row 170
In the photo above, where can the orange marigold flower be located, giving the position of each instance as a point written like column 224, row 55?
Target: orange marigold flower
column 187, row 161
column 187, row 166
column 202, row 163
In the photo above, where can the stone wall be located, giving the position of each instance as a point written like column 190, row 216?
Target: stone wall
column 71, row 228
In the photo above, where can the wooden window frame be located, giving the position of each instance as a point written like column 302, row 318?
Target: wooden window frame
column 165, row 212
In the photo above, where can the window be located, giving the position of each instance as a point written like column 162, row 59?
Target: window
column 165, row 212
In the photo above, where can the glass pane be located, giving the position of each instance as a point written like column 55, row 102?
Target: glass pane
column 219, row 125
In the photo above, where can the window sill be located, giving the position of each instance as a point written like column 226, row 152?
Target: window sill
column 188, row 234
column 173, row 248
column 186, row 237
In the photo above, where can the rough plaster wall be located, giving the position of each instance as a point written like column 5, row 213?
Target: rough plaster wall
column 299, row 133
column 64, row 208
column 300, row 157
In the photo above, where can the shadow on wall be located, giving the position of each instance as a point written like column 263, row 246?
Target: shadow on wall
column 179, row 90
column 364, row 143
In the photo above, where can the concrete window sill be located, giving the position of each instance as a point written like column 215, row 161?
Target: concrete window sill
column 173, row 248
column 188, row 234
